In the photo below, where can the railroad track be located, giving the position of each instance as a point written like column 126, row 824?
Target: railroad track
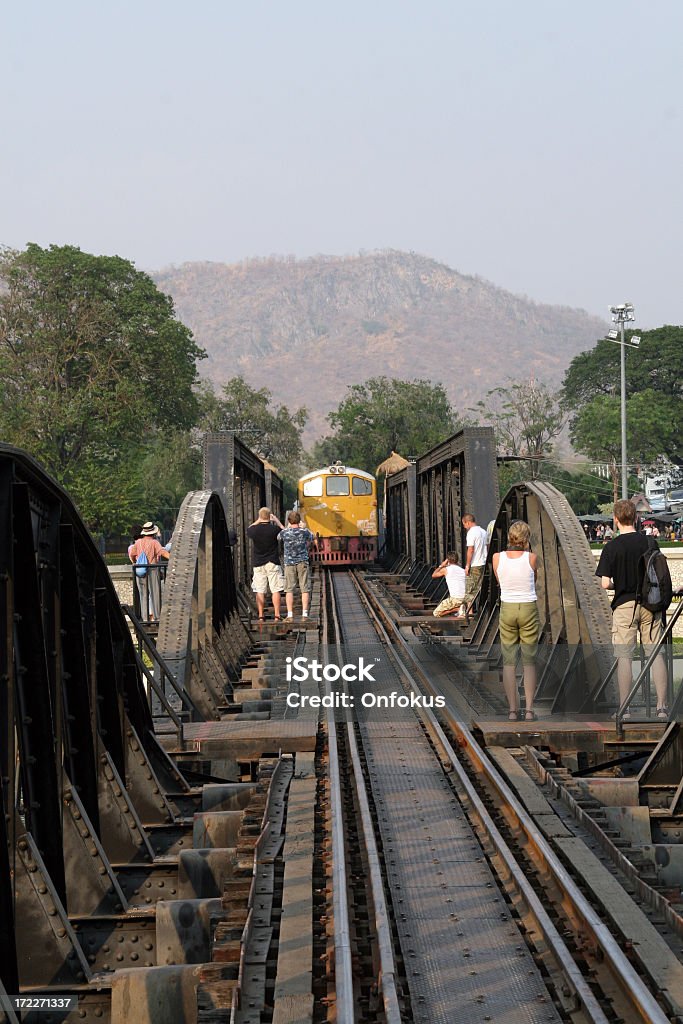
column 356, row 863
column 475, row 915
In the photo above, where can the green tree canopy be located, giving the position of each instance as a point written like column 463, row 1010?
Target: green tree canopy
column 272, row 431
column 94, row 370
column 651, row 429
column 384, row 415
column 654, row 398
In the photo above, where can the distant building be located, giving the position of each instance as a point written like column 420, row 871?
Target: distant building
column 657, row 484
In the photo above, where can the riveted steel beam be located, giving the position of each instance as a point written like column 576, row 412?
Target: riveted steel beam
column 201, row 637
column 245, row 482
column 426, row 500
column 79, row 763
column 574, row 610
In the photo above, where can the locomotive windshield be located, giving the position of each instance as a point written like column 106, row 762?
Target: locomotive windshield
column 313, row 488
column 337, row 486
column 360, row 486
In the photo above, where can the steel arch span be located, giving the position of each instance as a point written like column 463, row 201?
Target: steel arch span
column 576, row 646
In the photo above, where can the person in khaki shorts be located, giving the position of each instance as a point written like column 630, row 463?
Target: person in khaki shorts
column 477, row 544
column 456, row 581
column 266, row 561
column 618, row 568
column 295, row 539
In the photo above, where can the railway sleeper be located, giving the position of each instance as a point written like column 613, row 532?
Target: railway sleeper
column 655, row 843
column 631, row 911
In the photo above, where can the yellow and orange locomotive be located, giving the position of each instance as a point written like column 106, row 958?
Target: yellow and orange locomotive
column 339, row 506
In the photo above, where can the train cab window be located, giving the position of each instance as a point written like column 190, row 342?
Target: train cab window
column 360, row 486
column 336, row 486
column 314, row 488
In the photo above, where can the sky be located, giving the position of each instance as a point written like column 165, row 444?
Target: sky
column 538, row 145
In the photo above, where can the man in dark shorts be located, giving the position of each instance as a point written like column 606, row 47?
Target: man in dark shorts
column 266, row 561
column 618, row 568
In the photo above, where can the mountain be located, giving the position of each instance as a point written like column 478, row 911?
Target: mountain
column 307, row 328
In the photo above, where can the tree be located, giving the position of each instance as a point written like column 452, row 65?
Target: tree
column 591, row 393
column 94, row 369
column 526, row 417
column 172, row 466
column 657, row 365
column 272, row 431
column 384, row 415
column 650, row 429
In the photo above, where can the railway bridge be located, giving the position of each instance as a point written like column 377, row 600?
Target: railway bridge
column 330, row 818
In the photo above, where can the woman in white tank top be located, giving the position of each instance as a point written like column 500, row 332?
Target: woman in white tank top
column 515, row 571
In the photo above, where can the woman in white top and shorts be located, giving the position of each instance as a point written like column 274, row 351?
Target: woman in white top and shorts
column 515, row 571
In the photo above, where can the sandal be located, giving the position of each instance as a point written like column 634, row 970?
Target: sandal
column 277, row 618
column 663, row 713
column 513, row 716
column 530, row 716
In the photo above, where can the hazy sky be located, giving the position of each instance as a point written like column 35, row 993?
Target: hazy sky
column 537, row 144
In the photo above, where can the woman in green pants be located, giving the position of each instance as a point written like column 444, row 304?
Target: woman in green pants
column 515, row 571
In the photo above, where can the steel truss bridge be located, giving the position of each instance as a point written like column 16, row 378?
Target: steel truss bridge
column 177, row 847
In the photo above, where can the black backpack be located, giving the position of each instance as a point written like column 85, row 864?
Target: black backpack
column 654, row 580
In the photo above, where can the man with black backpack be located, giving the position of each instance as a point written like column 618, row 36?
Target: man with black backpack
column 633, row 564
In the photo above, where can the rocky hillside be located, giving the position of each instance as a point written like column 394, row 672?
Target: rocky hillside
column 307, row 328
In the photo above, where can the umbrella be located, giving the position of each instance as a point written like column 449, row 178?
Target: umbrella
column 394, row 464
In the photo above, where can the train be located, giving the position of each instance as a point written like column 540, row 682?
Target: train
column 339, row 506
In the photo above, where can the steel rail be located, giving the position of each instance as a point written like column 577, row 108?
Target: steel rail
column 622, row 972
column 343, row 957
column 392, row 1010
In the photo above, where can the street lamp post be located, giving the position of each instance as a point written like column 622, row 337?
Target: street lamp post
column 621, row 315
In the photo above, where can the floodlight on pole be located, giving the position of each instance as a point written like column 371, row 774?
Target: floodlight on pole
column 621, row 315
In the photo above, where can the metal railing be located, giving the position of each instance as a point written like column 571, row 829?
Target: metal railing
column 664, row 647
column 161, row 679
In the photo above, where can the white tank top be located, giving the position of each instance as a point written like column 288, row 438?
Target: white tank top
column 516, row 579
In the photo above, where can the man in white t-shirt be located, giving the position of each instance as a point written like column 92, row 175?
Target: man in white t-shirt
column 455, row 581
column 477, row 544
